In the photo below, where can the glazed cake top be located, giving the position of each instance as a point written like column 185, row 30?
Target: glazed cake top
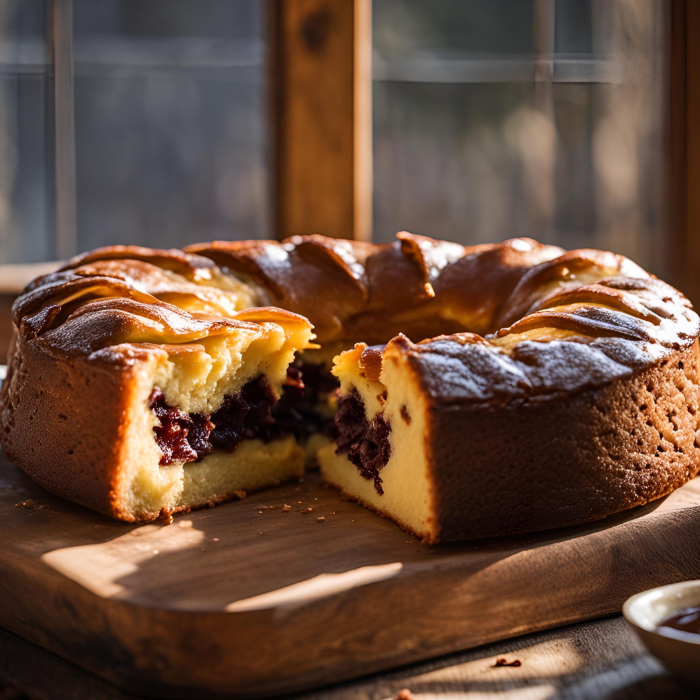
column 488, row 322
column 493, row 322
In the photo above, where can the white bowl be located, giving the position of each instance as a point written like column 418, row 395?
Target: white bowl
column 678, row 650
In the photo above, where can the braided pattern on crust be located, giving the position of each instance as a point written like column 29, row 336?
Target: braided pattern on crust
column 356, row 291
column 482, row 307
column 132, row 295
column 553, row 321
column 506, row 319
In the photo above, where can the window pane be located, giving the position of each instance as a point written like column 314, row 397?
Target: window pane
column 468, row 146
column 170, row 121
column 409, row 27
column 443, row 163
column 26, row 160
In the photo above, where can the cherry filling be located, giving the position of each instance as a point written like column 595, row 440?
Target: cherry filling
column 189, row 437
column 251, row 413
column 308, row 387
column 182, row 437
column 365, row 442
column 245, row 416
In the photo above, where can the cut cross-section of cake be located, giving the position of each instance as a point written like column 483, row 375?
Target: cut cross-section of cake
column 378, row 451
column 183, row 399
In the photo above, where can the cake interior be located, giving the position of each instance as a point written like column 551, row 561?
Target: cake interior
column 201, row 426
column 378, row 455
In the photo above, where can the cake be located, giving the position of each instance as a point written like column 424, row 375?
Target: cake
column 463, row 392
column 136, row 385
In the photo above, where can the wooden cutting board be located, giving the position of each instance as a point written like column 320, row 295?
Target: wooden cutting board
column 251, row 599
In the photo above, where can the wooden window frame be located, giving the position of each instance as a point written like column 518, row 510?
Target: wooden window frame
column 684, row 147
column 320, row 87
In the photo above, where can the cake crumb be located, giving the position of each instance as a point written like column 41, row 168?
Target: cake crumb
column 286, row 508
column 504, row 662
column 405, row 694
column 261, row 532
column 216, row 539
column 320, row 520
column 30, row 505
column 306, row 510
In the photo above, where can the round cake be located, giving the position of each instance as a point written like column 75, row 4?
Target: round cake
column 463, row 392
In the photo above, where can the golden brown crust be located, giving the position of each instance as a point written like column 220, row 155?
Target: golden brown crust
column 62, row 421
column 355, row 291
column 190, row 266
column 541, row 464
column 76, row 313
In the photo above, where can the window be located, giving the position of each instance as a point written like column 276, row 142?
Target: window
column 491, row 119
column 503, row 118
column 169, row 120
column 26, row 134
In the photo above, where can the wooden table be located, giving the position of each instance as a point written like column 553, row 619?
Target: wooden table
column 594, row 660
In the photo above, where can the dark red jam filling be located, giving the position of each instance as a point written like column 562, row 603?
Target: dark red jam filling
column 687, row 620
column 308, row 387
column 189, row 437
column 365, row 442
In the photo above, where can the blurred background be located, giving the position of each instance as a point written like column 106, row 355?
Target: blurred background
column 490, row 119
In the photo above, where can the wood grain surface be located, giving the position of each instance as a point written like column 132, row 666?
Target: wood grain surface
column 251, row 599
column 601, row 659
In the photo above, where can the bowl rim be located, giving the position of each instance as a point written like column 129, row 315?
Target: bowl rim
column 644, row 598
